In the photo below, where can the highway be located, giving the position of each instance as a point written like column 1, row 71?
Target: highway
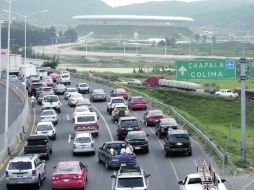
column 165, row 172
column 15, row 107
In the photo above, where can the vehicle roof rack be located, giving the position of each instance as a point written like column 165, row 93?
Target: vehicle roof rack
column 125, row 169
column 207, row 175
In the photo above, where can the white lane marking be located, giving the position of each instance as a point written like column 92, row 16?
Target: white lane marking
column 68, row 118
column 110, row 134
column 247, row 185
column 69, row 138
column 170, row 160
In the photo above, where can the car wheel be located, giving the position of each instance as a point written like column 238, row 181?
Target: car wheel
column 74, row 154
column 147, row 150
column 59, row 110
column 99, row 159
column 190, row 153
column 107, row 110
column 107, row 166
column 145, row 122
column 9, row 186
column 167, row 154
column 160, row 136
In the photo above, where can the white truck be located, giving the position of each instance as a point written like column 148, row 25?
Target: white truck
column 226, row 93
column 27, row 70
column 15, row 62
column 204, row 179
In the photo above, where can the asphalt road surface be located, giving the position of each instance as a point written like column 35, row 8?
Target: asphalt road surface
column 15, row 107
column 165, row 172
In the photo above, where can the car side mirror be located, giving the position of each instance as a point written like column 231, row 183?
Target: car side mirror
column 54, row 167
column 145, row 113
column 223, row 180
column 98, row 117
column 100, row 148
column 113, row 176
column 180, row 182
column 147, row 135
column 43, row 161
column 148, row 175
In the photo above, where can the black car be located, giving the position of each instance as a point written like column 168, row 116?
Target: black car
column 125, row 125
column 46, row 89
column 138, row 140
column 177, row 141
column 33, row 87
column 163, row 125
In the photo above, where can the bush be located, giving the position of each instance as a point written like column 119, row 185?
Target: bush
column 52, row 64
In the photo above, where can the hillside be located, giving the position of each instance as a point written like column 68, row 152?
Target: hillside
column 230, row 14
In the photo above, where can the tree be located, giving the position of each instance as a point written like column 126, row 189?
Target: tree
column 71, row 34
column 197, row 37
column 204, row 38
column 214, row 39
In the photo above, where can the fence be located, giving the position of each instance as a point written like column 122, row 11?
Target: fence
column 180, row 117
column 18, row 127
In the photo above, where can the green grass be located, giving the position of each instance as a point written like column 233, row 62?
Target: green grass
column 213, row 115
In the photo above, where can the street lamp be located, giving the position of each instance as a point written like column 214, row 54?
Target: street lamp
column 1, row 22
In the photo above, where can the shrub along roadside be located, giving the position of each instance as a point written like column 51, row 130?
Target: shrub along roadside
column 213, row 115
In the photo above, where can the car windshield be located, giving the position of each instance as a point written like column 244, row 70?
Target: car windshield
column 82, row 140
column 116, row 101
column 98, row 91
column 47, row 89
column 83, row 85
column 36, row 85
column 20, row 165
column 129, row 122
column 138, row 99
column 120, row 90
column 67, row 169
column 65, row 76
column 43, row 127
column 130, row 182
column 137, row 135
column 166, row 122
column 87, row 118
column 48, row 112
column 121, row 108
column 180, row 137
column 50, row 98
column 71, row 90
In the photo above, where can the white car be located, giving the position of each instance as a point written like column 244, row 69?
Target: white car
column 113, row 101
column 25, row 170
column 83, row 88
column 46, row 128
column 64, row 79
column 51, row 102
column 49, row 115
column 134, row 82
column 68, row 92
column 42, row 72
column 83, row 142
column 226, row 93
column 73, row 99
column 64, row 72
column 79, row 110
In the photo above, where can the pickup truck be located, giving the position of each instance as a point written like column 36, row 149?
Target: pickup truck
column 38, row 144
column 86, row 122
column 226, row 93
column 115, row 159
column 205, row 179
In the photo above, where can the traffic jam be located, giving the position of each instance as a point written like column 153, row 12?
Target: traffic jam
column 84, row 131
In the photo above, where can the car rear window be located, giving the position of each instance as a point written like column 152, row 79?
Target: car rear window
column 47, row 112
column 71, row 90
column 83, row 85
column 168, row 122
column 44, row 127
column 130, row 182
column 179, row 137
column 37, row 141
column 86, row 118
column 82, row 140
column 65, row 76
column 139, row 99
column 51, row 99
column 36, row 85
column 115, row 101
column 20, row 165
column 132, row 122
column 137, row 136
column 120, row 90
column 98, row 91
column 67, row 169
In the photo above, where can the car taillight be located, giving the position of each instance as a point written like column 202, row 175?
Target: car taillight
column 6, row 174
column 59, row 103
column 33, row 172
column 137, row 128
column 121, row 129
column 92, row 144
column 78, row 177
column 55, row 178
column 146, row 142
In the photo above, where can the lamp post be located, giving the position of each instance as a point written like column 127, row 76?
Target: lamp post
column 7, row 81
column 1, row 22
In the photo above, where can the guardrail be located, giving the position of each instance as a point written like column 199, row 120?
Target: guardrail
column 17, row 128
column 180, row 117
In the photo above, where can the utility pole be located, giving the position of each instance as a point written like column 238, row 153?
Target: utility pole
column 243, row 62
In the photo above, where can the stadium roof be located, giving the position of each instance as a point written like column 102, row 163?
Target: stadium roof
column 133, row 18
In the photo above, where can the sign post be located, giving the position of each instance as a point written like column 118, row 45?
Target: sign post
column 205, row 69
column 251, row 70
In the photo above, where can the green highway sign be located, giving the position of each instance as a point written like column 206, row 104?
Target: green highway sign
column 205, row 69
column 251, row 70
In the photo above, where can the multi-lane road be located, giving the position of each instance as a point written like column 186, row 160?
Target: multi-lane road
column 165, row 172
column 15, row 107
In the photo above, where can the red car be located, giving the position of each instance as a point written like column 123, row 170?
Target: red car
column 152, row 117
column 54, row 77
column 71, row 174
column 119, row 92
column 137, row 102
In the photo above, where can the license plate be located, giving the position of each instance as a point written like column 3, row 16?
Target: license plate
column 179, row 144
column 20, row 175
column 115, row 160
column 66, row 180
column 129, row 129
column 123, row 164
column 137, row 148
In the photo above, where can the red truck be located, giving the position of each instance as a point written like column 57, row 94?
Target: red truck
column 152, row 81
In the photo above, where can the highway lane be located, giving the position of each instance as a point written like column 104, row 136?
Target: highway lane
column 165, row 171
column 15, row 107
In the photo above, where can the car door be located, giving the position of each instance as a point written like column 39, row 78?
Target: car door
column 102, row 152
column 40, row 167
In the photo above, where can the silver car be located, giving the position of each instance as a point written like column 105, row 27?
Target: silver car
column 60, row 89
column 49, row 115
column 83, row 142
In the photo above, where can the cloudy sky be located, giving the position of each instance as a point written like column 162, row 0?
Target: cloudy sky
column 116, row 3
